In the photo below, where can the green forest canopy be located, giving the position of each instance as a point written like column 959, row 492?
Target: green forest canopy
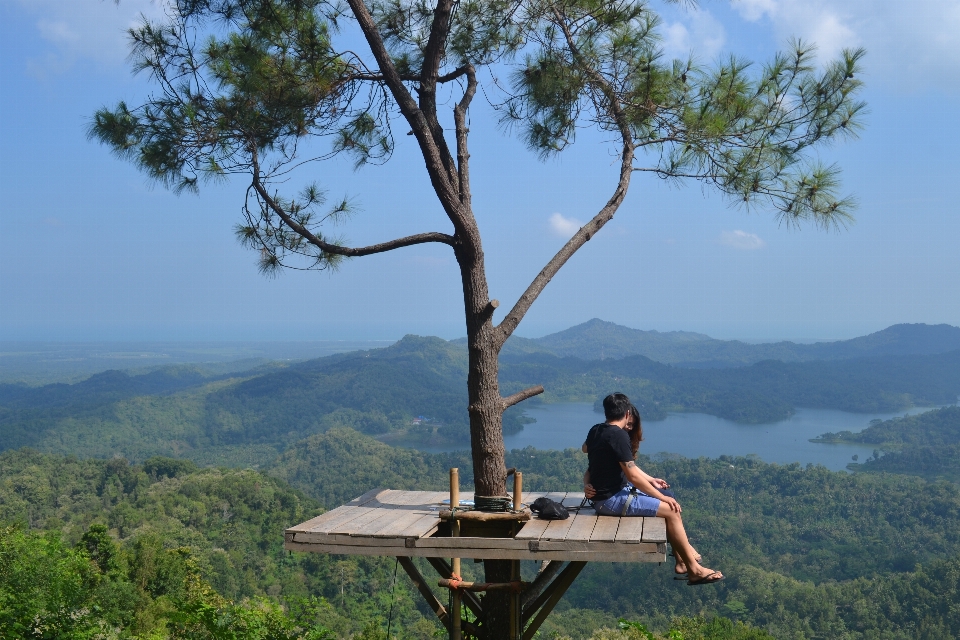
column 808, row 552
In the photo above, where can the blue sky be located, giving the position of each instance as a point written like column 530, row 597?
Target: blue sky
column 89, row 250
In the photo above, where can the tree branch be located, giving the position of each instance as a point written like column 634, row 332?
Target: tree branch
column 460, row 120
column 436, row 164
column 517, row 398
column 429, row 73
column 509, row 324
column 327, row 247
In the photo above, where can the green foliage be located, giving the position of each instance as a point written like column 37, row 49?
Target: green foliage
column 341, row 464
column 194, row 555
column 926, row 444
column 742, row 132
column 936, row 428
column 45, row 588
column 807, row 552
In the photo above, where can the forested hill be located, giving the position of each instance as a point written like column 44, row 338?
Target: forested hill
column 416, row 390
column 147, row 549
column 926, row 444
column 598, row 339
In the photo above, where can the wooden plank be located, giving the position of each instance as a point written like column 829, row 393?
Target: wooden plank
column 408, row 498
column 339, row 516
column 418, row 522
column 394, row 526
column 654, row 530
column 387, row 511
column 342, row 514
column 630, row 530
column 314, row 522
column 349, row 526
column 582, row 527
column 606, row 529
column 365, row 498
column 530, row 496
column 557, row 529
column 384, row 517
column 572, row 499
column 432, row 499
column 422, row 527
column 471, row 543
column 644, row 553
column 584, row 546
column 308, row 537
column 532, row 530
column 336, row 515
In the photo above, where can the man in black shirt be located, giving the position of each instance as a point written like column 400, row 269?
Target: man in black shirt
column 620, row 488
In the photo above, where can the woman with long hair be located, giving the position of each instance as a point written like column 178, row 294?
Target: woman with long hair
column 634, row 428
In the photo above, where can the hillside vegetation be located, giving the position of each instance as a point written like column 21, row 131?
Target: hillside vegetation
column 249, row 417
column 926, row 444
column 808, row 552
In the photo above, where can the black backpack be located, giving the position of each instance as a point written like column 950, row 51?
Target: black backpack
column 547, row 509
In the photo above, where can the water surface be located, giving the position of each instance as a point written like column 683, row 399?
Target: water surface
column 565, row 425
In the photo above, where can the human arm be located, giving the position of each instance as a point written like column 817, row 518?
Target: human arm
column 588, row 490
column 659, row 483
column 639, row 479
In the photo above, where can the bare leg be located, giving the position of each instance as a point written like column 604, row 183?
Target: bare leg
column 680, row 568
column 677, row 537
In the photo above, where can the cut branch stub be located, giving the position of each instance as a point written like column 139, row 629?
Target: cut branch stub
column 519, row 397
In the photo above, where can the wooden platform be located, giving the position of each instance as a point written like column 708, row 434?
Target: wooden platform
column 386, row 522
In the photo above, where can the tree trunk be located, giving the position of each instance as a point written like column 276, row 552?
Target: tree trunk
column 483, row 387
column 486, row 416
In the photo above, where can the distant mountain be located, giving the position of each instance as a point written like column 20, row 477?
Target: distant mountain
column 597, row 339
column 414, row 391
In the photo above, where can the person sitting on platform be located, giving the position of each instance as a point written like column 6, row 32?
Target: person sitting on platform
column 618, row 487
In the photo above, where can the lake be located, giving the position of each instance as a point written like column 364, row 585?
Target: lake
column 565, row 425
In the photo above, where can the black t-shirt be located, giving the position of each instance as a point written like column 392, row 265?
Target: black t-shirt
column 607, row 447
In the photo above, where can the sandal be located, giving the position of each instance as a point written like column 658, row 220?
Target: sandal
column 707, row 579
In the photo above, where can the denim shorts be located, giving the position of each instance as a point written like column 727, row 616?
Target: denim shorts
column 641, row 505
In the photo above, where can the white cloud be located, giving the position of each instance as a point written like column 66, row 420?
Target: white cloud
column 742, row 240
column 909, row 43
column 84, row 29
column 564, row 227
column 697, row 32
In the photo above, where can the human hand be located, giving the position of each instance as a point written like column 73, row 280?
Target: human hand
column 659, row 483
column 670, row 502
column 589, row 491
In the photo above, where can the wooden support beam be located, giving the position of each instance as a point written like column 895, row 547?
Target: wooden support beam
column 425, row 591
column 445, row 571
column 551, row 596
column 548, row 573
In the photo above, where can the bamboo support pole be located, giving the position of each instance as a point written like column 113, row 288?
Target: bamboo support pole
column 517, row 491
column 515, row 585
column 455, row 622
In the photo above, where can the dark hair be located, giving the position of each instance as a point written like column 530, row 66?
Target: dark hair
column 636, row 433
column 615, row 406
